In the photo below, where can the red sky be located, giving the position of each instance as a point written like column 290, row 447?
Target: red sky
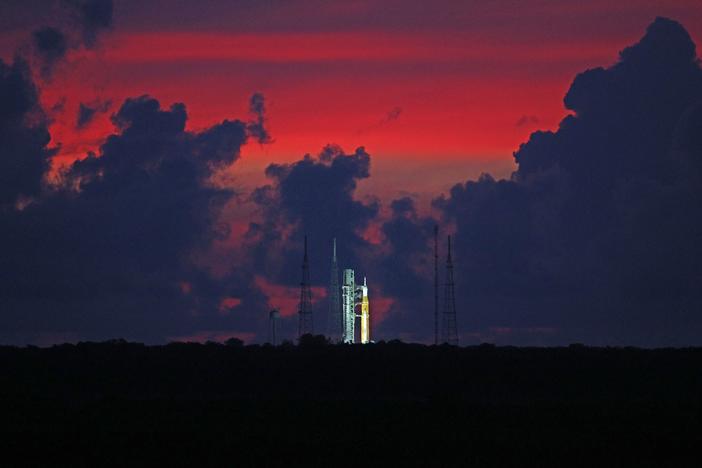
column 436, row 93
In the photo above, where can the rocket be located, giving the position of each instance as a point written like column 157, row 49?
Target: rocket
column 351, row 297
column 365, row 313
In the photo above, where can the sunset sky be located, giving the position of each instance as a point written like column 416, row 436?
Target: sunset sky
column 436, row 94
column 459, row 84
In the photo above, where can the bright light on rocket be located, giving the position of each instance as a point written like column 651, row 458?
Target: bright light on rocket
column 353, row 296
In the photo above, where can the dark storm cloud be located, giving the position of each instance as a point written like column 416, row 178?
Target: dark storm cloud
column 597, row 233
column 316, row 197
column 108, row 251
column 313, row 196
column 595, row 238
column 91, row 16
column 87, row 112
column 24, row 136
column 402, row 206
column 51, row 46
column 257, row 128
column 401, row 269
column 404, row 265
column 83, row 21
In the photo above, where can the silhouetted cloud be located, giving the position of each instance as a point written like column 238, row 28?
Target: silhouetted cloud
column 402, row 271
column 313, row 196
column 109, row 251
column 24, row 135
column 51, row 46
column 316, row 196
column 595, row 237
column 597, row 233
column 84, row 20
column 257, row 107
column 111, row 247
column 91, row 16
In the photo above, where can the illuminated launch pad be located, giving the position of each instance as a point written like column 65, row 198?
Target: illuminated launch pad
column 351, row 297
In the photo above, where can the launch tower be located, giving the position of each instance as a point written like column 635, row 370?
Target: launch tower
column 348, row 302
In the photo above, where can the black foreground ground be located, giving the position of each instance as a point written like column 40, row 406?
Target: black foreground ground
column 387, row 404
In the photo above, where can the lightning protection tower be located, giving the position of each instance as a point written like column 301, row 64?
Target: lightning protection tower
column 450, row 328
column 273, row 327
column 305, row 309
column 436, row 284
column 335, row 321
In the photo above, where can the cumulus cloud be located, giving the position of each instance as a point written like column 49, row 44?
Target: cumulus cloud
column 51, row 46
column 112, row 247
column 78, row 25
column 597, row 233
column 594, row 238
column 402, row 271
column 24, row 135
column 257, row 107
column 91, row 17
column 314, row 195
column 109, row 250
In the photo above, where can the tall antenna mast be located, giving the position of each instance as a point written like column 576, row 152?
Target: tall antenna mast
column 273, row 327
column 450, row 328
column 305, row 309
column 335, row 323
column 436, row 284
